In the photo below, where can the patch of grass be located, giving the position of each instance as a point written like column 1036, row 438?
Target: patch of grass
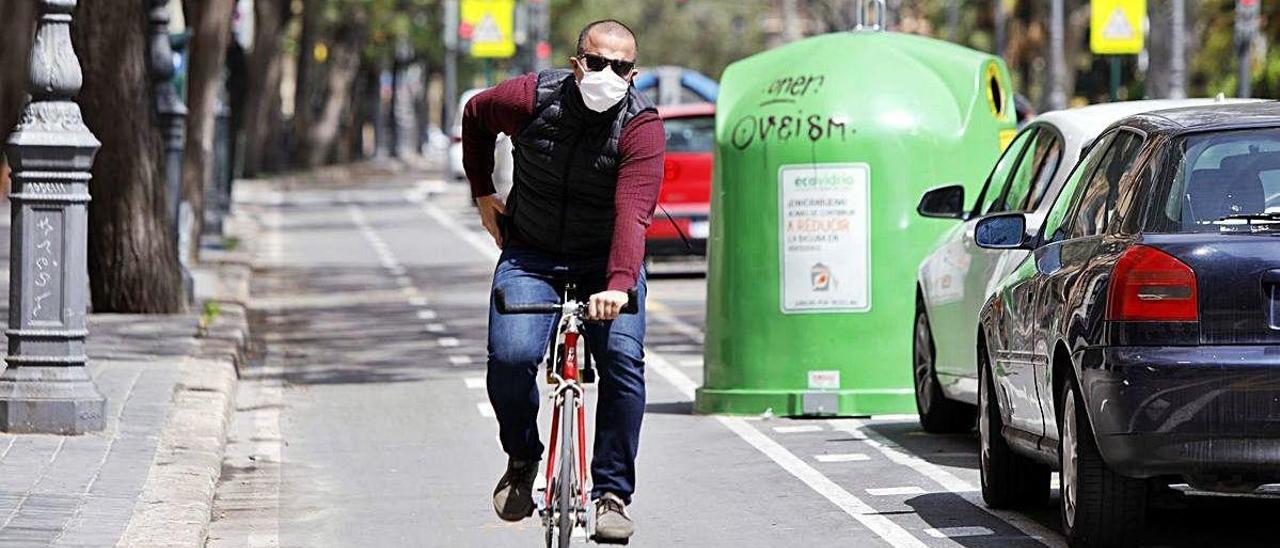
column 209, row 314
column 230, row 243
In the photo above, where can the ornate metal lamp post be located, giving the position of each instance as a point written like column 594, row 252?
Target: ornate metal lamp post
column 46, row 387
column 172, row 117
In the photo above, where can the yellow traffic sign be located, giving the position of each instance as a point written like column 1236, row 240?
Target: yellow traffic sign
column 489, row 25
column 1116, row 26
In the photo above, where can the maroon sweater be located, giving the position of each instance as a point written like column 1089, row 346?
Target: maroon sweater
column 509, row 106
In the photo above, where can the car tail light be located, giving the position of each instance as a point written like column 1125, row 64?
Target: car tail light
column 456, row 139
column 1150, row 285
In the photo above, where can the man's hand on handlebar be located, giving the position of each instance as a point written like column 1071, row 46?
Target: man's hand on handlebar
column 606, row 305
column 491, row 207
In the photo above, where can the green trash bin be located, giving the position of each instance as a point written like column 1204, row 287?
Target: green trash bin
column 824, row 147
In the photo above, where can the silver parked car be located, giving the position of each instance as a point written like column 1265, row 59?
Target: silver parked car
column 954, row 279
column 503, row 163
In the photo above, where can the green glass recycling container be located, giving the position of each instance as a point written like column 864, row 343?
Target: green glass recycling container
column 823, row 149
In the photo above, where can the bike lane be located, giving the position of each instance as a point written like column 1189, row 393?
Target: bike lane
column 859, row 492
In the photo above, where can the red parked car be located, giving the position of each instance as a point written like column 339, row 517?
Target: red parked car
column 686, row 185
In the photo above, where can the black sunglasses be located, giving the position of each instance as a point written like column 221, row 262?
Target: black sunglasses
column 596, row 63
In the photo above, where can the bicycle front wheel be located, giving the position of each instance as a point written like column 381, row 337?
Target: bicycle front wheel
column 567, row 487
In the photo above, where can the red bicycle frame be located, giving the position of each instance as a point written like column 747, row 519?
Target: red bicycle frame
column 568, row 380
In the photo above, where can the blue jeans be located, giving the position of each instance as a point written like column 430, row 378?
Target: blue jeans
column 517, row 343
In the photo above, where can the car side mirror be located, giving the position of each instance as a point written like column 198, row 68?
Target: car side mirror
column 1003, row 231
column 944, row 203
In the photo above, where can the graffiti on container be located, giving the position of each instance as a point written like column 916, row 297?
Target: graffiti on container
column 787, row 88
column 783, row 128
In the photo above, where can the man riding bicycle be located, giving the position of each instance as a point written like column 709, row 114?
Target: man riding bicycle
column 588, row 154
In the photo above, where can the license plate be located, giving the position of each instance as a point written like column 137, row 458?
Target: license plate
column 699, row 229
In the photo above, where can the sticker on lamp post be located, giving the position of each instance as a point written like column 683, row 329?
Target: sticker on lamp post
column 824, row 238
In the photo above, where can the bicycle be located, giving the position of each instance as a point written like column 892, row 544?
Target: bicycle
column 563, row 503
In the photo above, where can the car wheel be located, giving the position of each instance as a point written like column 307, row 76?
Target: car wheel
column 1009, row 479
column 1099, row 507
column 938, row 415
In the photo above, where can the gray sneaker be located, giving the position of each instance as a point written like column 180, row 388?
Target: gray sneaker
column 513, row 498
column 613, row 525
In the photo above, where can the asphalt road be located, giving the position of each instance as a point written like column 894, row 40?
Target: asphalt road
column 363, row 419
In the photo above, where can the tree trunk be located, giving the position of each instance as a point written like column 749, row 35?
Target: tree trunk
column 133, row 260
column 265, row 68
column 17, row 27
column 344, row 65
column 306, row 81
column 210, row 21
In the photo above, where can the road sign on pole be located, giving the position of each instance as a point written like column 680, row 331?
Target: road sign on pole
column 1116, row 26
column 491, row 27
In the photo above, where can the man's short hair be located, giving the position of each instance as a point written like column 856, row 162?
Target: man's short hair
column 608, row 26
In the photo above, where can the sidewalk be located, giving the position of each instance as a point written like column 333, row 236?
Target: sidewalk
column 148, row 478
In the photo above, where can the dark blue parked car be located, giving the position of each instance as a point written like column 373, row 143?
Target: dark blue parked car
column 1139, row 344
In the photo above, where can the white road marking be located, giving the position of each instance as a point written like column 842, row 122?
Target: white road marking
column 398, row 270
column 958, row 532
column 485, row 409
column 841, row 457
column 895, row 491
column 426, row 314
column 483, row 244
column 404, row 280
column 460, row 359
column 436, row 327
column 882, row 526
column 448, row 341
column 418, row 300
column 797, row 429
column 474, row 383
column 947, row 480
column 664, row 315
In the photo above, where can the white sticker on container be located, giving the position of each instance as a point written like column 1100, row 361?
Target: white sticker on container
column 824, row 380
column 824, row 237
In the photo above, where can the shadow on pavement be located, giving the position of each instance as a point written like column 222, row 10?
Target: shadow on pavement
column 351, row 325
column 960, row 450
column 669, row 408
column 952, row 516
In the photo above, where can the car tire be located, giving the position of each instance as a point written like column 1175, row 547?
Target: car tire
column 938, row 415
column 1009, row 479
column 1098, row 506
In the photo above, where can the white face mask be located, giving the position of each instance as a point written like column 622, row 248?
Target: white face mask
column 602, row 89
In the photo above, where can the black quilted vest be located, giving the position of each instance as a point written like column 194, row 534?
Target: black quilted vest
column 566, row 170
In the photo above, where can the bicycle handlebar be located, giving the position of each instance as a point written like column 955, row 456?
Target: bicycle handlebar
column 500, row 302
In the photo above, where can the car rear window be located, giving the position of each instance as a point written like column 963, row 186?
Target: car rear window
column 690, row 134
column 1219, row 179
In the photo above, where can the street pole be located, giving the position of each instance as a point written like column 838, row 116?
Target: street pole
column 172, row 118
column 953, row 21
column 450, row 62
column 1115, row 77
column 1057, row 57
column 1178, row 52
column 541, row 18
column 790, row 25
column 46, row 387
column 1000, row 22
column 1246, row 28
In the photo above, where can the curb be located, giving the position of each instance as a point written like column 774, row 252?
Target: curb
column 176, row 503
